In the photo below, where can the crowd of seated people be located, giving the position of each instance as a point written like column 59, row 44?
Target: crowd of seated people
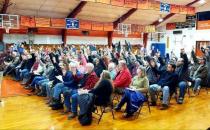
column 70, row 72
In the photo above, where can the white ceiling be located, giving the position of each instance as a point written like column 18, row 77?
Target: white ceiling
column 94, row 11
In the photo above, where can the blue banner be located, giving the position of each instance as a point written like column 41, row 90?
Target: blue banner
column 164, row 7
column 72, row 23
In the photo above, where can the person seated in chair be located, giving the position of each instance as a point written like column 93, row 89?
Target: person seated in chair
column 140, row 83
column 86, row 84
column 167, row 83
column 67, row 83
column 103, row 89
column 183, row 76
column 123, row 78
column 199, row 72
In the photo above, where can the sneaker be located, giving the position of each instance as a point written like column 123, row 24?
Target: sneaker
column 164, row 107
column 153, row 104
column 180, row 101
column 73, row 115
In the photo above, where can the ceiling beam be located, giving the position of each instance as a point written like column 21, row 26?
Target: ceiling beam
column 5, row 7
column 124, row 17
column 156, row 23
column 77, row 10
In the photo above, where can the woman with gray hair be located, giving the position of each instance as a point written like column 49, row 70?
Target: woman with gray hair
column 139, row 84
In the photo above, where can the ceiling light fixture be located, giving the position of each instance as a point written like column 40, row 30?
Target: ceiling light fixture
column 160, row 20
column 202, row 1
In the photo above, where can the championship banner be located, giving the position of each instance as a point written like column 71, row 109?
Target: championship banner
column 42, row 22
column 154, row 5
column 202, row 25
column 149, row 29
column 170, row 26
column 175, row 9
column 103, row 1
column 58, row 23
column 27, row 21
column 96, row 26
column 164, row 7
column 117, row 2
column 108, row 27
column 131, row 3
column 143, row 4
column 72, row 23
column 86, row 25
column 191, row 10
column 183, row 10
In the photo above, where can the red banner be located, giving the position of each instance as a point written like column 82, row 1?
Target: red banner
column 108, row 27
column 175, row 9
column 183, row 10
column 42, row 22
column 143, row 4
column 154, row 5
column 202, row 25
column 103, row 1
column 170, row 26
column 117, row 2
column 191, row 10
column 27, row 21
column 96, row 26
column 131, row 3
column 58, row 23
column 85, row 25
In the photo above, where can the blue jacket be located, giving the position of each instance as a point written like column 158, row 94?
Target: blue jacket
column 71, row 80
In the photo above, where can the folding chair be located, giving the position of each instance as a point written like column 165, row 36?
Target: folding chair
column 148, row 104
column 103, row 110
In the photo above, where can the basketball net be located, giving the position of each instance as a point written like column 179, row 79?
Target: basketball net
column 7, row 29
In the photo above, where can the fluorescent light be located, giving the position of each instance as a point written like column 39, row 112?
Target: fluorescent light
column 202, row 1
column 160, row 20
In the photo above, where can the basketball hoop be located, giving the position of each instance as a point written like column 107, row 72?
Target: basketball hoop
column 7, row 29
column 124, row 29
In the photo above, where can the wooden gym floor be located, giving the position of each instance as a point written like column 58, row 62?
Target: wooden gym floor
column 31, row 113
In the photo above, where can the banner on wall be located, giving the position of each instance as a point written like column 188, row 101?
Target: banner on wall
column 183, row 10
column 72, row 23
column 86, row 25
column 131, row 3
column 202, row 25
column 27, row 21
column 175, row 9
column 170, row 26
column 58, row 23
column 96, row 26
column 164, row 7
column 154, row 5
column 143, row 4
column 191, row 11
column 108, row 27
column 42, row 22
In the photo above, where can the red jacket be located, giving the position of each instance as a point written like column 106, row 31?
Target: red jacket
column 123, row 79
column 91, row 80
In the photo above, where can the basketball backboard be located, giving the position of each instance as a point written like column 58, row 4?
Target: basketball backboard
column 8, row 21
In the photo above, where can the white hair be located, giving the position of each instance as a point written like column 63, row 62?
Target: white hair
column 122, row 62
column 90, row 65
column 111, row 65
column 73, row 64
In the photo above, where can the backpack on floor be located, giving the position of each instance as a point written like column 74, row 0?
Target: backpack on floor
column 86, row 104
